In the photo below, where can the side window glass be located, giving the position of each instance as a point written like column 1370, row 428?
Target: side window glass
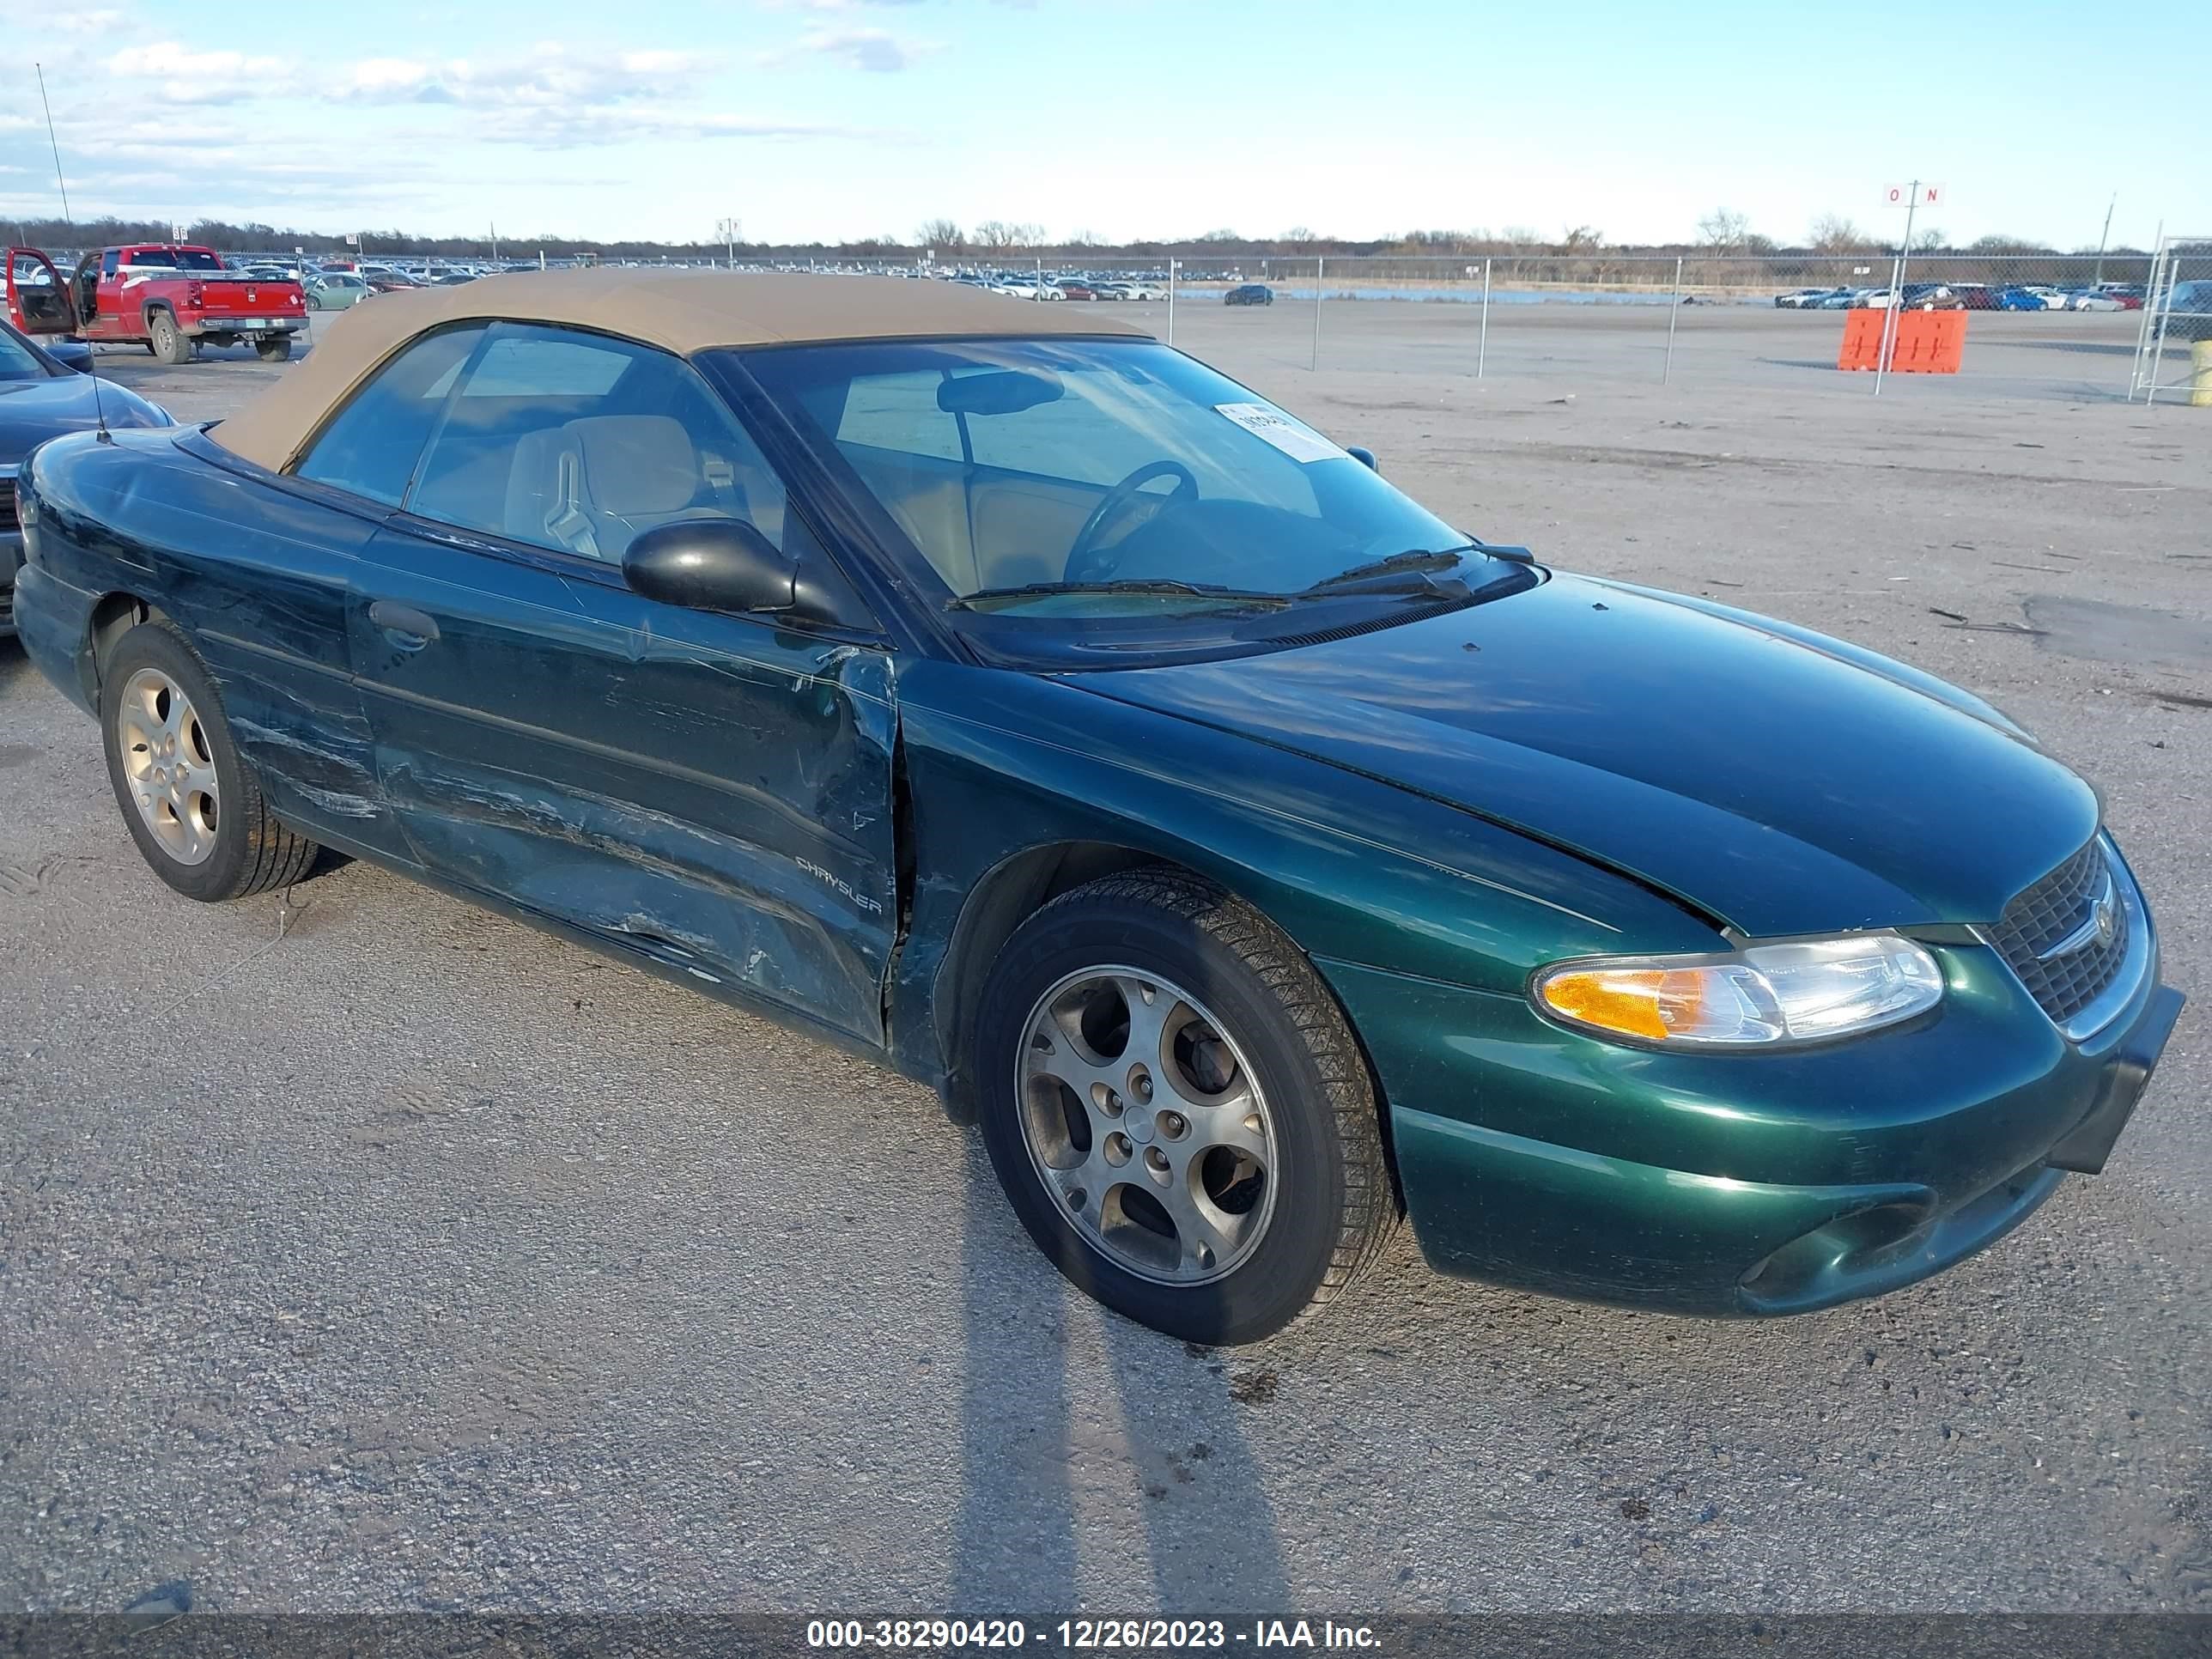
column 576, row 442
column 110, row 262
column 899, row 413
column 370, row 448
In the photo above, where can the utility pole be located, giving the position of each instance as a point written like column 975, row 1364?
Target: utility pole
column 2104, row 237
column 52, row 140
column 495, row 241
column 728, row 229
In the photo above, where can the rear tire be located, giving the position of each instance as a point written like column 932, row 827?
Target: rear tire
column 1178, row 1111
column 273, row 349
column 169, row 342
column 189, row 800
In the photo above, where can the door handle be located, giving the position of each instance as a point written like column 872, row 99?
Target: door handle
column 404, row 619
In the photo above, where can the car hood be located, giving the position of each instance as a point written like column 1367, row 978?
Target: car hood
column 32, row 411
column 1774, row 780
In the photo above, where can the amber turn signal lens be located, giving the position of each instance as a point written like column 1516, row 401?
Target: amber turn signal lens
column 1633, row 1001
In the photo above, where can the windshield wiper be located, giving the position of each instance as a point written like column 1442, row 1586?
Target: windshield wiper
column 1138, row 589
column 1414, row 561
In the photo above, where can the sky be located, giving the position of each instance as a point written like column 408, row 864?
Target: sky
column 833, row 119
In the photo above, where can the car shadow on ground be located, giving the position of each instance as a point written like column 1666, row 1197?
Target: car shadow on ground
column 1046, row 1463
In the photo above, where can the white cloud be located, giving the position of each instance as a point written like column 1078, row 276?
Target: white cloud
column 186, row 76
column 550, row 75
column 63, row 20
column 874, row 49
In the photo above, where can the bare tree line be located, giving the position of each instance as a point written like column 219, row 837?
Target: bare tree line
column 1725, row 232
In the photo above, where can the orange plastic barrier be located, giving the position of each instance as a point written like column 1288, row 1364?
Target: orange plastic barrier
column 1926, row 342
column 1862, row 338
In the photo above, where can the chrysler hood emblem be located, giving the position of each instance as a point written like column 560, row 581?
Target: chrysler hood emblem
column 2101, row 927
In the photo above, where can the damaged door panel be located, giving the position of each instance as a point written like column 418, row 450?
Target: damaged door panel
column 713, row 792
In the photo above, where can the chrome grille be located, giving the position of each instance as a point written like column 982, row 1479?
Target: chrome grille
column 2049, row 935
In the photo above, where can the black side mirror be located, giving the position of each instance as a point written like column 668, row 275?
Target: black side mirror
column 1364, row 457
column 711, row 564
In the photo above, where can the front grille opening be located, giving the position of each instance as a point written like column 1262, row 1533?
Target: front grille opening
column 2032, row 933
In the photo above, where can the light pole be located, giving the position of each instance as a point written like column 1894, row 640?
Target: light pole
column 2104, row 237
column 727, row 230
column 52, row 141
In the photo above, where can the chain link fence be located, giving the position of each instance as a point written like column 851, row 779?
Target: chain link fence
column 2066, row 326
column 2177, row 315
column 2077, row 327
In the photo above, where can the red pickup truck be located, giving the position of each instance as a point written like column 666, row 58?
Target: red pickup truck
column 168, row 296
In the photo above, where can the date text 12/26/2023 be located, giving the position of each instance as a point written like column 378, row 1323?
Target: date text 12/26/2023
column 1084, row 1635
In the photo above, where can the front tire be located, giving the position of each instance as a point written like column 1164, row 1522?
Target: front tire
column 1177, row 1110
column 189, row 800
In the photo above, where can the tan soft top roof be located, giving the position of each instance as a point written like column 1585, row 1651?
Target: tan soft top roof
column 681, row 310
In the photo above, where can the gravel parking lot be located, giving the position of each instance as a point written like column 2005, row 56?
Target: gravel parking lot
column 363, row 1251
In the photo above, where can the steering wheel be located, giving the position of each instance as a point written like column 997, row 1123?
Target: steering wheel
column 1086, row 563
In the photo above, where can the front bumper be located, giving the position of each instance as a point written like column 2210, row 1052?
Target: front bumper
column 11, row 560
column 1740, row 1185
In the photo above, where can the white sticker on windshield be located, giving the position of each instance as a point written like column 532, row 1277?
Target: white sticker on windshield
column 1269, row 423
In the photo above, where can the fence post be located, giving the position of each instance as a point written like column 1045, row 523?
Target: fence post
column 1320, row 265
column 1889, row 321
column 1171, row 280
column 1482, row 339
column 1667, row 372
column 2165, row 311
column 2149, row 311
column 1040, row 278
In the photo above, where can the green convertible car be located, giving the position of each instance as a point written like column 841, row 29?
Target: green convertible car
column 1018, row 701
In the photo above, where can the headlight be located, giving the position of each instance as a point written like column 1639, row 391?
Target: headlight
column 1763, row 997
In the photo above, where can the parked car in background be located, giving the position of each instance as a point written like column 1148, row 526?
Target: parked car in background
column 1252, row 294
column 171, row 297
column 1873, row 298
column 1974, row 296
column 1145, row 290
column 1072, row 288
column 335, row 291
column 1806, row 299
column 2187, row 314
column 2016, row 297
column 1247, row 857
column 387, row 282
column 1842, row 298
column 2091, row 300
column 41, row 396
column 1930, row 296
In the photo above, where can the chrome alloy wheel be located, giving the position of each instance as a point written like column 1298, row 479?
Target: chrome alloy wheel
column 169, row 765
column 1146, row 1123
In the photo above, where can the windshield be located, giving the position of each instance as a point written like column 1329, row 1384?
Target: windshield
column 1100, row 479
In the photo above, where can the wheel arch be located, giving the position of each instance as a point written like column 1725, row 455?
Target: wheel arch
column 1012, row 890
column 1005, row 897
column 115, row 615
